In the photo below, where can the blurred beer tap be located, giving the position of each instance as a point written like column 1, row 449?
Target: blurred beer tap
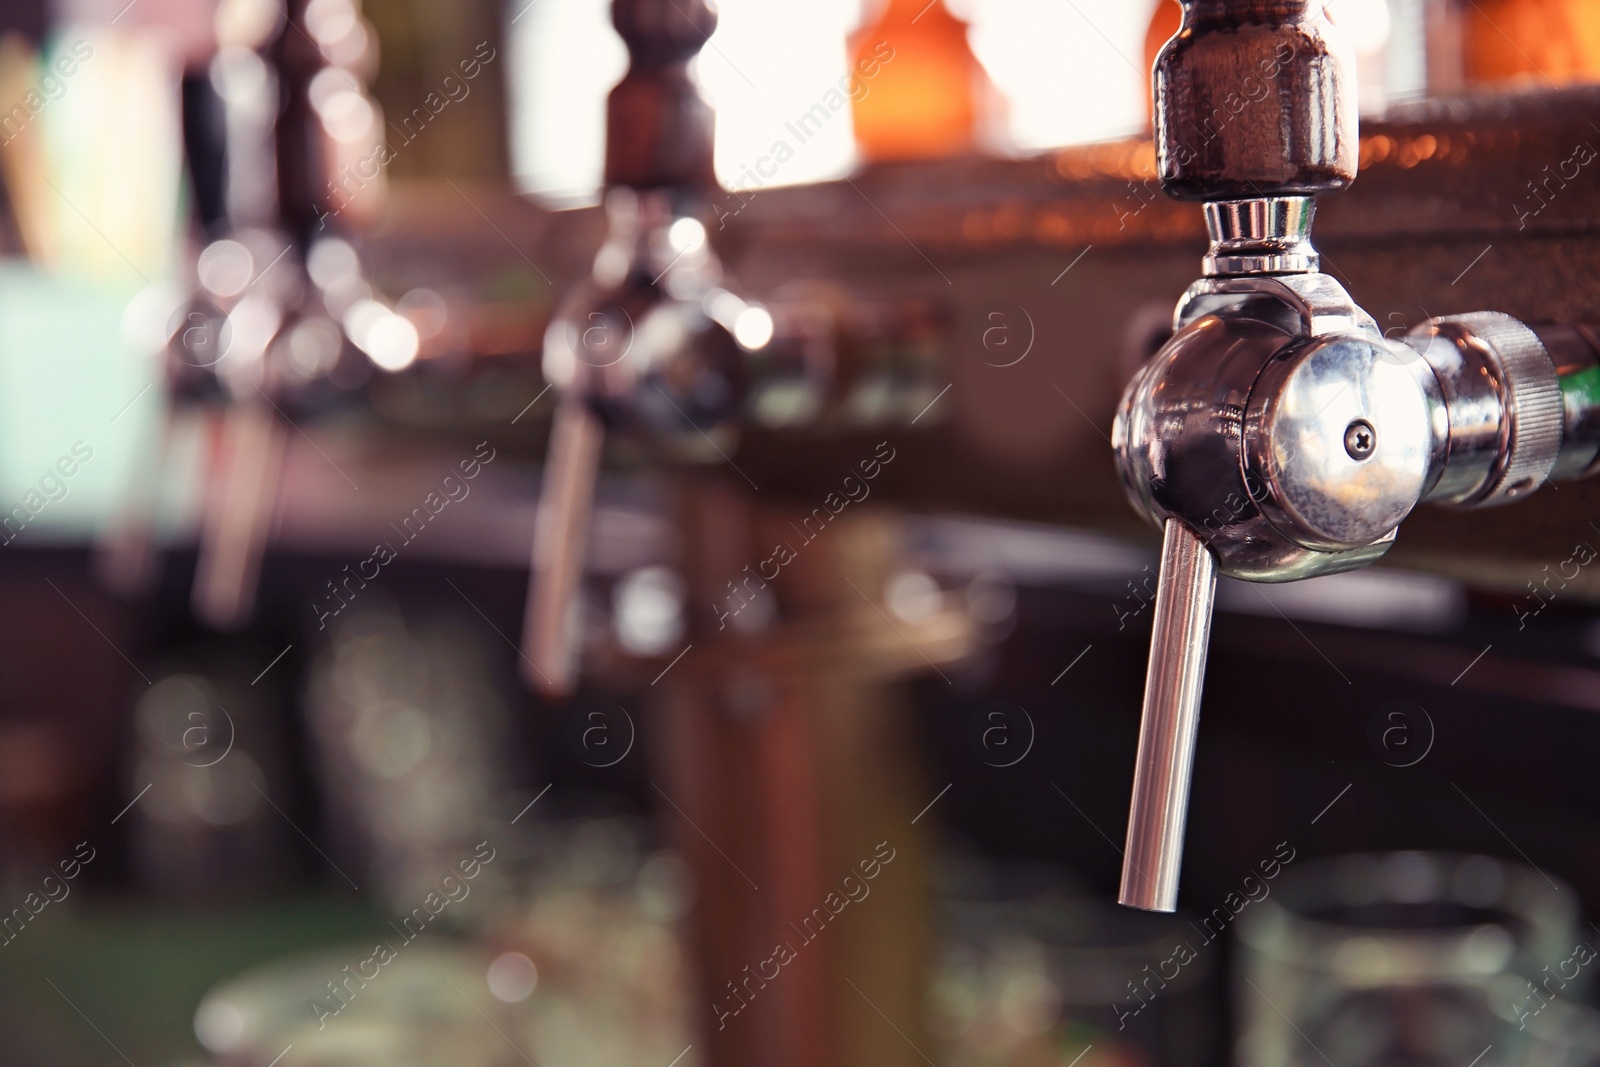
column 651, row 344
column 1279, row 435
column 278, row 302
column 266, row 144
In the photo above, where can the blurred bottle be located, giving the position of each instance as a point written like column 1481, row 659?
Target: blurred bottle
column 927, row 86
column 1444, row 47
column 1532, row 42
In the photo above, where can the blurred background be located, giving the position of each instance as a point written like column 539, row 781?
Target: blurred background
column 810, row 739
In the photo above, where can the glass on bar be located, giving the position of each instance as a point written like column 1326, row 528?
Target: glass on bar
column 1418, row 959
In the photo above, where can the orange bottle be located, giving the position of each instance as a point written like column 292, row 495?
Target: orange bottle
column 916, row 84
column 1534, row 42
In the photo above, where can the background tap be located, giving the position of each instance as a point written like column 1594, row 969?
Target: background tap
column 651, row 344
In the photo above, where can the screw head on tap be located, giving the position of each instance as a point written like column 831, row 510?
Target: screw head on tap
column 1360, row 440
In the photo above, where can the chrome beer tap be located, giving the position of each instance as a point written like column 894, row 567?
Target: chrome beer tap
column 1279, row 435
column 266, row 325
column 650, row 345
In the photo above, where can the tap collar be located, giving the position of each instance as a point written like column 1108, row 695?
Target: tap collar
column 1261, row 235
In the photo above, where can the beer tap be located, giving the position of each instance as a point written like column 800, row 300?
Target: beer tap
column 1279, row 435
column 651, row 344
column 265, row 326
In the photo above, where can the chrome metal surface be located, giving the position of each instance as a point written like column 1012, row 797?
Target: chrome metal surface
column 1262, row 235
column 560, row 548
column 1278, row 428
column 639, row 349
column 1278, row 435
column 1502, row 401
column 1297, row 438
column 238, row 515
column 1312, row 304
column 1239, row 424
column 1237, row 427
column 1185, row 593
column 638, row 323
column 1575, row 350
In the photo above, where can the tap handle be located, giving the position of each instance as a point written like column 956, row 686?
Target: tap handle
column 238, row 514
column 1181, row 635
column 300, row 142
column 658, row 127
column 1255, row 98
column 205, row 149
column 559, row 548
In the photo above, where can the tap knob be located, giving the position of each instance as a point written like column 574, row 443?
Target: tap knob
column 1255, row 98
column 658, row 126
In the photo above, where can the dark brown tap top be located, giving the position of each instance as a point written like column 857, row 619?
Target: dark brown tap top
column 1255, row 98
column 658, row 129
column 303, row 171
